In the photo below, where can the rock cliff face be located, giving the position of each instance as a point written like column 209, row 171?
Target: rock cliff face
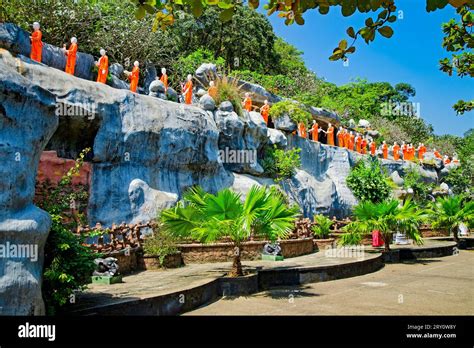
column 27, row 121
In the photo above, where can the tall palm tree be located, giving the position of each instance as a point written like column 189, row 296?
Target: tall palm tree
column 207, row 217
column 388, row 218
column 449, row 212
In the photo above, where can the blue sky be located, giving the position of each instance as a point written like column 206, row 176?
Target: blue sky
column 411, row 56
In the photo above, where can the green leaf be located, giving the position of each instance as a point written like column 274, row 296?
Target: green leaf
column 348, row 7
column 350, row 31
column 299, row 19
column 342, row 45
column 140, row 13
column 351, row 49
column 226, row 15
column 386, row 31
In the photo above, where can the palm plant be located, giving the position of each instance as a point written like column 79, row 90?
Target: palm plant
column 449, row 212
column 387, row 217
column 208, row 217
column 322, row 227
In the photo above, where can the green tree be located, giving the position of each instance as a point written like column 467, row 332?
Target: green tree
column 449, row 212
column 207, row 217
column 322, row 226
column 368, row 182
column 386, row 217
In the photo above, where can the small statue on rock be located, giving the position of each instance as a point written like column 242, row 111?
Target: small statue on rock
column 272, row 249
column 107, row 267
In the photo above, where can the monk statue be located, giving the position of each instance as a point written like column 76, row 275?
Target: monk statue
column 437, row 154
column 71, row 56
column 164, row 78
column 396, row 151
column 302, row 130
column 351, row 141
column 384, row 150
column 103, row 66
column 134, row 76
column 212, row 91
column 265, row 110
column 247, row 103
column 188, row 90
column 315, row 131
column 340, row 137
column 330, row 134
column 373, row 148
column 36, row 43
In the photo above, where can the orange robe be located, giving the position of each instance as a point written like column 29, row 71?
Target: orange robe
column 264, row 110
column 164, row 79
column 330, row 136
column 396, row 152
column 373, row 147
column 351, row 142
column 358, row 144
column 340, row 138
column 411, row 153
column 248, row 104
column 384, row 151
column 315, row 132
column 188, row 92
column 71, row 59
column 212, row 91
column 363, row 148
column 133, row 77
column 405, row 152
column 103, row 65
column 302, row 130
column 438, row 155
column 36, row 46
column 421, row 153
column 347, row 138
column 447, row 161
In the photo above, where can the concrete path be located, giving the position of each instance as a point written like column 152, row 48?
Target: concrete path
column 439, row 286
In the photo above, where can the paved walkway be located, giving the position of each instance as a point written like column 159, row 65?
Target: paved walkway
column 438, row 286
column 154, row 283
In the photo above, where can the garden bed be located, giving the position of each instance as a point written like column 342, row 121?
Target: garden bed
column 252, row 250
column 151, row 262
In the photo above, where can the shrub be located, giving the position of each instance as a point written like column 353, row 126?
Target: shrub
column 421, row 190
column 188, row 64
column 458, row 179
column 281, row 164
column 322, row 227
column 294, row 110
column 161, row 244
column 68, row 264
column 368, row 182
column 229, row 90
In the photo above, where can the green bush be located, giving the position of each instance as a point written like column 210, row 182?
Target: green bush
column 228, row 90
column 281, row 164
column 421, row 190
column 188, row 64
column 458, row 179
column 322, row 227
column 161, row 244
column 368, row 182
column 68, row 264
column 294, row 110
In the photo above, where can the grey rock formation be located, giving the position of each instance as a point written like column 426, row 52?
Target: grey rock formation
column 17, row 41
column 324, row 116
column 145, row 202
column 276, row 137
column 205, row 73
column 226, row 106
column 116, row 69
column 373, row 133
column 284, row 123
column 157, row 89
column 119, row 83
column 27, row 121
column 207, row 103
column 150, row 75
column 397, row 179
column 364, row 123
column 172, row 95
column 200, row 92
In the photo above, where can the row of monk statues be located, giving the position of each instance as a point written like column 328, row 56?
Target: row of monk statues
column 350, row 140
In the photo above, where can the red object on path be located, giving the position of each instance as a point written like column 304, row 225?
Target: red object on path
column 377, row 240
